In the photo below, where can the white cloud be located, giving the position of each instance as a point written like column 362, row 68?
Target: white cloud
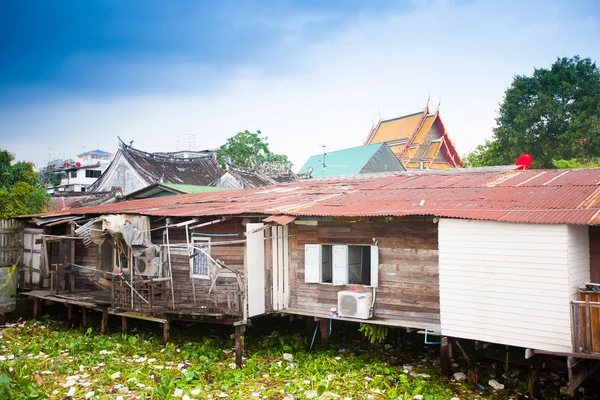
column 328, row 92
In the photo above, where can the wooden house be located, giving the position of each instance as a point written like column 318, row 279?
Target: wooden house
column 495, row 256
column 419, row 140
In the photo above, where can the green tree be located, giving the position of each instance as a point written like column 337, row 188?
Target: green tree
column 246, row 146
column 553, row 114
column 20, row 191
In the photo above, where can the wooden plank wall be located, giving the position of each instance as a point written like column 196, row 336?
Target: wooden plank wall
column 225, row 297
column 87, row 257
column 408, row 266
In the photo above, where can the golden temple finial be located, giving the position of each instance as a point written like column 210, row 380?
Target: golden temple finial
column 427, row 105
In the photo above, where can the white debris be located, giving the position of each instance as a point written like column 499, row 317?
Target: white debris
column 288, row 357
column 178, row 393
column 418, row 397
column 71, row 392
column 195, row 392
column 222, row 395
column 89, row 394
column 186, row 397
column 119, row 398
column 460, row 376
column 495, row 384
column 116, row 375
column 106, row 352
column 255, row 394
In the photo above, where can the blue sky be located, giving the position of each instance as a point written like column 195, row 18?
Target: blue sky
column 174, row 74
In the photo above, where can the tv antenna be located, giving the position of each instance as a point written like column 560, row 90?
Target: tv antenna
column 323, row 161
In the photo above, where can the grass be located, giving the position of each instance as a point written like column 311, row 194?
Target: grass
column 46, row 359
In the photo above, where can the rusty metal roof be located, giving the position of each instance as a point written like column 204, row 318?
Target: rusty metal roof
column 535, row 196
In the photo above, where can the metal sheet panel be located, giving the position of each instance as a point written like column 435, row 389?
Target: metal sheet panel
column 536, row 196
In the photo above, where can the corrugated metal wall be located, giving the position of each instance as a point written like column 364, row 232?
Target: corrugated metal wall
column 510, row 283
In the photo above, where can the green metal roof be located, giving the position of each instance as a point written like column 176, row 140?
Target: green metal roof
column 191, row 188
column 342, row 162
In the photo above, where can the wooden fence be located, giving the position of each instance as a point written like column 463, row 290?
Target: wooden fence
column 11, row 254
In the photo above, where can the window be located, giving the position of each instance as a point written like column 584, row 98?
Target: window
column 92, row 173
column 341, row 264
column 73, row 174
column 199, row 263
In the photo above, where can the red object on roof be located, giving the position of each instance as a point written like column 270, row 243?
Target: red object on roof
column 524, row 162
column 535, row 196
column 66, row 165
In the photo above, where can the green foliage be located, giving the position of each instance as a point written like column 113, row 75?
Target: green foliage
column 37, row 359
column 575, row 163
column 245, row 147
column 20, row 191
column 553, row 114
column 375, row 333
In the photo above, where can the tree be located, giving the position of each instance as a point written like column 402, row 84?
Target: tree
column 553, row 114
column 245, row 147
column 20, row 191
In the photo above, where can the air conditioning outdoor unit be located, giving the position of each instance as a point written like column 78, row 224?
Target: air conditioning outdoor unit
column 148, row 266
column 355, row 305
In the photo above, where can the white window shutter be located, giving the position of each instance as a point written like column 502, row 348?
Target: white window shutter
column 340, row 265
column 312, row 263
column 374, row 266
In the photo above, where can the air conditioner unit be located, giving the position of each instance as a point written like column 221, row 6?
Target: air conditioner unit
column 148, row 266
column 355, row 305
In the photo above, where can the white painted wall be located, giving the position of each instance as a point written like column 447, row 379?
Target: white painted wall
column 579, row 258
column 510, row 283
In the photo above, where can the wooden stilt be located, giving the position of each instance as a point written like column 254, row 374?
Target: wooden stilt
column 70, row 314
column 445, row 356
column 239, row 344
column 104, row 325
column 166, row 329
column 324, row 328
column 310, row 326
column 2, row 319
column 124, row 324
column 37, row 308
column 84, row 312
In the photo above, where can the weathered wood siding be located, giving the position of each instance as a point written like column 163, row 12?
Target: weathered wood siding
column 225, row 294
column 509, row 283
column 408, row 267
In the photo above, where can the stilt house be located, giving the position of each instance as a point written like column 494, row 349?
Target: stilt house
column 497, row 256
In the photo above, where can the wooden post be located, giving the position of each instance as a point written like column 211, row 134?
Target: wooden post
column 2, row 319
column 71, row 247
column 37, row 308
column 588, row 325
column 84, row 311
column 445, row 356
column 70, row 314
column 239, row 344
column 104, row 325
column 166, row 328
column 324, row 328
column 124, row 324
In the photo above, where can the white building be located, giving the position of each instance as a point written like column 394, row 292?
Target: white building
column 78, row 176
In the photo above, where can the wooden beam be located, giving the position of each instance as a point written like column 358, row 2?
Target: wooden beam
column 239, row 344
column 70, row 314
column 588, row 369
column 104, row 325
column 166, row 331
column 324, row 328
column 37, row 308
column 445, row 356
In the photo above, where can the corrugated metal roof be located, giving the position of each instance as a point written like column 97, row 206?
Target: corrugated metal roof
column 536, row 196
